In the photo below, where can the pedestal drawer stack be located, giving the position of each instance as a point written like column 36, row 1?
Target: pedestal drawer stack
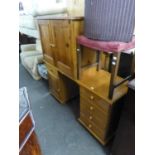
column 60, row 86
column 97, row 115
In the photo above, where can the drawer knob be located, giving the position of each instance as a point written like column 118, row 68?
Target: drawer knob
column 58, row 90
column 52, row 45
column 89, row 125
column 91, row 108
column 91, row 97
column 92, row 88
column 90, row 117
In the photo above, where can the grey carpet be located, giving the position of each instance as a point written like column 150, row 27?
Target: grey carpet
column 57, row 128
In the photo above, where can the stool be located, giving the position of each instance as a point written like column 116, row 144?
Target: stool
column 113, row 47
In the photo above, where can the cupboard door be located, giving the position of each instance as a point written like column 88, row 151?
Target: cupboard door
column 62, row 44
column 46, row 35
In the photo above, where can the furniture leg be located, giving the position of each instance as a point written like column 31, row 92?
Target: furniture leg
column 110, row 61
column 98, row 55
column 114, row 70
column 79, row 61
column 132, row 64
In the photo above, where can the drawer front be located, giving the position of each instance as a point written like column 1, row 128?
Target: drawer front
column 100, row 133
column 98, row 111
column 25, row 128
column 92, row 113
column 97, row 101
column 51, row 69
column 54, row 85
column 85, row 107
column 49, row 59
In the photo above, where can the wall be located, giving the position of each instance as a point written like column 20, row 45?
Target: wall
column 75, row 7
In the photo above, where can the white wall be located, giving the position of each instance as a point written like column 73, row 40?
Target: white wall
column 75, row 7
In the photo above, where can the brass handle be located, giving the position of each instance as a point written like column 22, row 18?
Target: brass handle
column 91, row 97
column 52, row 45
column 90, row 117
column 89, row 125
column 91, row 108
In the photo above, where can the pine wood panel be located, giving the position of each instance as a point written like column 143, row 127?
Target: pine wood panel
column 96, row 132
column 92, row 113
column 97, row 118
column 59, row 43
column 61, row 29
column 94, row 99
column 61, row 87
column 51, row 68
column 69, row 87
column 76, row 30
column 97, row 111
column 47, row 40
column 54, row 85
column 98, row 83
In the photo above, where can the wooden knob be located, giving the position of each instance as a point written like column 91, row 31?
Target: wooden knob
column 58, row 90
column 92, row 88
column 52, row 45
column 89, row 125
column 90, row 117
column 91, row 108
column 91, row 97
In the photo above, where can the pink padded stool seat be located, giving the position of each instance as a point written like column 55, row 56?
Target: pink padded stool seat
column 106, row 46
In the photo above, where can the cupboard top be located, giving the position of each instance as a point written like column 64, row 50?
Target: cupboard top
column 58, row 17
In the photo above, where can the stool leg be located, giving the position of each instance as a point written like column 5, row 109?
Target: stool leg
column 98, row 55
column 110, row 61
column 105, row 61
column 132, row 64
column 79, row 61
column 114, row 70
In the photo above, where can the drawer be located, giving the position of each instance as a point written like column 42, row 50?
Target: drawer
column 85, row 107
column 97, row 101
column 51, row 69
column 55, row 91
column 97, row 110
column 93, row 114
column 54, row 86
column 99, row 132
column 63, row 23
column 99, row 122
column 25, row 129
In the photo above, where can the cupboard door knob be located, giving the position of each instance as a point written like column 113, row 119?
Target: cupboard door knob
column 91, row 108
column 90, row 117
column 52, row 45
column 91, row 97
